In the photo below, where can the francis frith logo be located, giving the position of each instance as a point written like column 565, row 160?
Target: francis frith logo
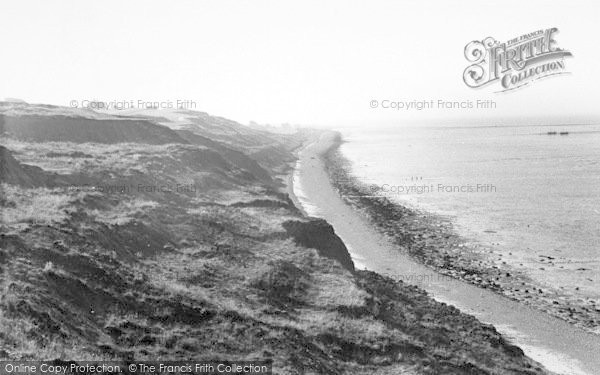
column 515, row 63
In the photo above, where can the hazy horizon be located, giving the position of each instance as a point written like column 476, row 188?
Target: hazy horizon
column 314, row 64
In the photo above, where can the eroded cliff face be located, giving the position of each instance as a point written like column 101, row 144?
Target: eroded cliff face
column 319, row 234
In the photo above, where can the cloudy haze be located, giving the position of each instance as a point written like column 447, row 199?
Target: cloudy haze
column 309, row 62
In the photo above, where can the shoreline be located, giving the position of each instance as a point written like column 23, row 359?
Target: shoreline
column 562, row 356
column 433, row 242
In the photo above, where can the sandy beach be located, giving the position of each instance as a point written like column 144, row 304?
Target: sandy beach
column 560, row 346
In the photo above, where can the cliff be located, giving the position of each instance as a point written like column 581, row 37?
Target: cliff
column 148, row 249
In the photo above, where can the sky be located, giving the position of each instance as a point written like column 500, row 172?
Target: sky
column 318, row 63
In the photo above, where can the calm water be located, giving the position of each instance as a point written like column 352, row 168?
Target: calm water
column 539, row 194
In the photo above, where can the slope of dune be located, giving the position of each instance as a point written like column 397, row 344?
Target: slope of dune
column 40, row 128
column 14, row 173
column 273, row 151
column 216, row 128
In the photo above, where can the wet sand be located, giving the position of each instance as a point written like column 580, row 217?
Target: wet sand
column 558, row 345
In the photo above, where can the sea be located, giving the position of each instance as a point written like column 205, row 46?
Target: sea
column 530, row 193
